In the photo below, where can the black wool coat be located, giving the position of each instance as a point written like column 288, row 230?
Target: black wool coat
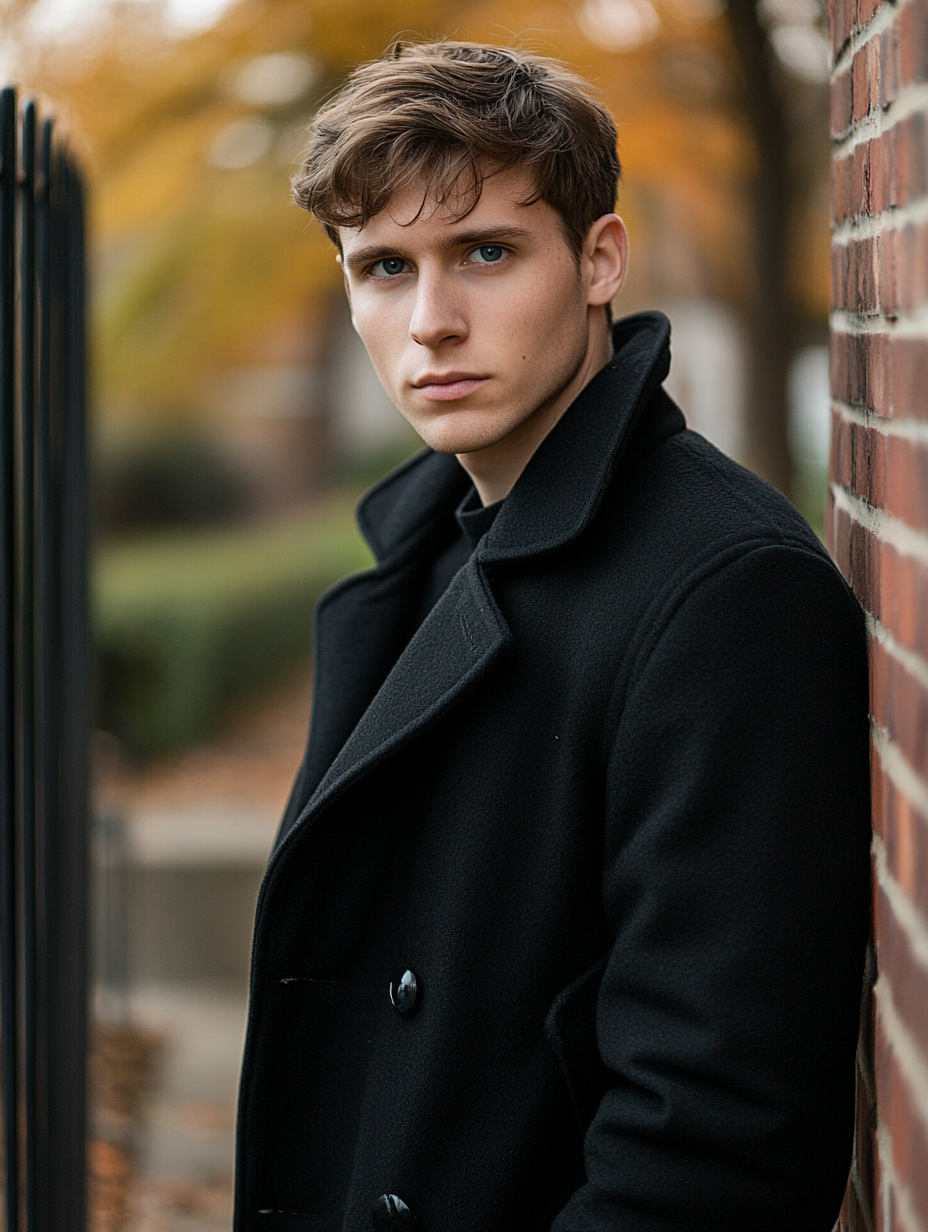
column 610, row 807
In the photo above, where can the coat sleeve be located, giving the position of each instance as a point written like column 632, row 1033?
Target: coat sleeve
column 737, row 885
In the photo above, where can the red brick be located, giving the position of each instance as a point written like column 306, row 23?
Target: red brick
column 910, row 154
column 844, row 16
column 899, row 706
column 881, row 172
column 884, row 374
column 842, row 195
column 863, row 459
column 897, row 1224
column 886, row 273
column 842, row 541
column 839, row 275
column 900, row 593
column 847, row 366
column 851, row 365
column 841, row 103
column 906, row 497
column 890, row 585
column 860, row 290
column 913, row 42
column 860, row 91
column 839, row 267
column 849, row 192
column 865, row 558
column 907, row 379
column 887, row 375
column 908, row 977
column 907, row 257
column 885, row 172
column 866, row 181
column 866, row 10
column 899, row 1114
column 859, row 461
column 874, row 72
column 878, row 782
column 841, row 15
column 838, row 465
column 905, row 835
column 889, row 65
column 861, row 178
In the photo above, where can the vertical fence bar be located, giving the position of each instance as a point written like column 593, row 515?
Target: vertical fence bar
column 26, row 650
column 9, row 967
column 46, row 672
column 44, row 679
column 66, row 691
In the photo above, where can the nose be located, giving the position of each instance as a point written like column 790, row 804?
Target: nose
column 437, row 314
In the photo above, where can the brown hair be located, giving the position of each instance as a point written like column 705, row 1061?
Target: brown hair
column 451, row 114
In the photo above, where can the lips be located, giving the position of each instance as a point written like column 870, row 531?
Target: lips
column 448, row 386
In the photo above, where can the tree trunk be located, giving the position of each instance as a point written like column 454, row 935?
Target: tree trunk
column 770, row 324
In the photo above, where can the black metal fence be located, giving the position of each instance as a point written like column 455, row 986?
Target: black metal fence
column 44, row 677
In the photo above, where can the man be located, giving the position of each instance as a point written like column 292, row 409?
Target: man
column 566, row 920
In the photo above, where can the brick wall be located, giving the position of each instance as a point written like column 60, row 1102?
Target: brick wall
column 877, row 523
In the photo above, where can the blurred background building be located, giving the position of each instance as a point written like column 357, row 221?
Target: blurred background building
column 237, row 418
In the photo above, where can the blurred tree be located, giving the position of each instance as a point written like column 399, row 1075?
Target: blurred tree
column 780, row 186
column 201, row 259
column 770, row 322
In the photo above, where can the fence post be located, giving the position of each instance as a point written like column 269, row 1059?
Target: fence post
column 9, row 967
column 44, row 678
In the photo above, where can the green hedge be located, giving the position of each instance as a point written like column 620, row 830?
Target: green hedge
column 186, row 624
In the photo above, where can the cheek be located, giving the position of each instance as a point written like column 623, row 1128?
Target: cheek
column 545, row 298
column 377, row 329
column 545, row 326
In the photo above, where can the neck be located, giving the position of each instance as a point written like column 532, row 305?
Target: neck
column 494, row 470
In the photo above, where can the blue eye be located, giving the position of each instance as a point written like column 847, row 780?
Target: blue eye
column 489, row 254
column 389, row 267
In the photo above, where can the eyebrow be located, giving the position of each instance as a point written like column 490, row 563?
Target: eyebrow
column 470, row 239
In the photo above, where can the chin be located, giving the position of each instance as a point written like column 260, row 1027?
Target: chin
column 454, row 442
column 450, row 437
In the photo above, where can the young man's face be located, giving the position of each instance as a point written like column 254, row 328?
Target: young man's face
column 475, row 325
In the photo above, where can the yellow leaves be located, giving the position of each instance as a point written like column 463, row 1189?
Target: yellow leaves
column 204, row 288
column 197, row 263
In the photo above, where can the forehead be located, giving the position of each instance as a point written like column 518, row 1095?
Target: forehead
column 413, row 217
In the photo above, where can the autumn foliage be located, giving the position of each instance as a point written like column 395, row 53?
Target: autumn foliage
column 202, row 263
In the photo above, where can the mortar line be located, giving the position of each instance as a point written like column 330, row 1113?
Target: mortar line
column 914, row 430
column 911, row 100
column 910, row 325
column 898, row 770
column 913, row 663
column 869, row 226
column 860, row 37
column 907, row 1051
column 905, row 1208
column 891, row 530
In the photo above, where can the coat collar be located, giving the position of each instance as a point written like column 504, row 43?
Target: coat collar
column 560, row 490
column 556, row 497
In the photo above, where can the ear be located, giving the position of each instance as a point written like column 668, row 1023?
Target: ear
column 605, row 254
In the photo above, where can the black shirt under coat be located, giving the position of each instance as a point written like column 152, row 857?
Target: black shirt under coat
column 610, row 804
column 470, row 523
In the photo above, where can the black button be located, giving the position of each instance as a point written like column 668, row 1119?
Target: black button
column 389, row 1211
column 404, row 989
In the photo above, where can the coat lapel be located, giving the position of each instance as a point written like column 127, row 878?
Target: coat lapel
column 462, row 638
column 555, row 499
